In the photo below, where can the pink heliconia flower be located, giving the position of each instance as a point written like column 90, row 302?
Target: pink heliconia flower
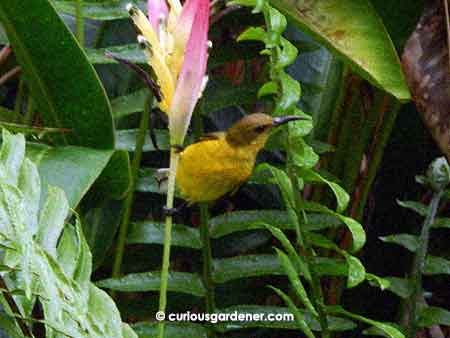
column 175, row 39
column 157, row 10
column 191, row 80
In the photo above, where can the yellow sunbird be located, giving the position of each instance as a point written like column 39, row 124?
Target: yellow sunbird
column 220, row 162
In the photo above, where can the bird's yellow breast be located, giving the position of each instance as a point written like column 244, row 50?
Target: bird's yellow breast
column 211, row 168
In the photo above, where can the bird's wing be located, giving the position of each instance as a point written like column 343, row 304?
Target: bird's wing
column 211, row 136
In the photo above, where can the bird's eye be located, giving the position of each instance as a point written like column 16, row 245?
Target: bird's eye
column 260, row 129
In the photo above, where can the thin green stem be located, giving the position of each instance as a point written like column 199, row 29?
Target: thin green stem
column 28, row 118
column 101, row 34
column 376, row 157
column 303, row 243
column 19, row 99
column 15, row 310
column 207, row 257
column 79, row 21
column 123, row 232
column 204, row 232
column 420, row 259
column 174, row 158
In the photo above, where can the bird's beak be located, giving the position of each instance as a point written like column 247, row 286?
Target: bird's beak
column 277, row 121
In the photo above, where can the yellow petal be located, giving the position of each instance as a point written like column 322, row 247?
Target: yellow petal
column 156, row 57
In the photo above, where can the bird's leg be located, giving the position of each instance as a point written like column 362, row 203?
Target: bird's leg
column 173, row 211
column 177, row 147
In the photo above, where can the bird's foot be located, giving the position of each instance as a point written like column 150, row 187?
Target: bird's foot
column 169, row 212
column 177, row 147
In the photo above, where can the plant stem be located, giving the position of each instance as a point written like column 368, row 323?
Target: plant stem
column 420, row 259
column 140, row 140
column 15, row 310
column 376, row 157
column 303, row 243
column 79, row 21
column 207, row 257
column 174, row 158
column 19, row 99
column 28, row 118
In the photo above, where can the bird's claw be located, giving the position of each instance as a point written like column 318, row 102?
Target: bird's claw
column 177, row 147
column 168, row 212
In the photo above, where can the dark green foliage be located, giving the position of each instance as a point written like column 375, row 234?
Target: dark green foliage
column 297, row 225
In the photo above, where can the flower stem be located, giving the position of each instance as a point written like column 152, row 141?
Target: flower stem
column 174, row 158
column 420, row 259
column 380, row 141
column 79, row 21
column 207, row 257
column 140, row 140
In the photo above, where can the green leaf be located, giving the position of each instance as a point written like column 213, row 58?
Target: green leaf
column 223, row 94
column 361, row 39
column 172, row 330
column 253, row 34
column 11, row 156
column 290, row 89
column 115, row 179
column 419, row 208
column 299, row 317
column 374, row 280
column 357, row 231
column 304, row 155
column 107, row 314
column 227, row 269
column 68, row 251
column 283, row 182
column 375, row 331
column 407, row 241
column 432, row 315
column 130, row 52
column 71, row 305
column 386, row 328
column 9, row 324
column 52, row 219
column 268, row 88
column 335, row 323
column 61, row 79
column 441, row 222
column 127, row 331
column 126, row 140
column 402, row 287
column 128, row 104
column 400, row 18
column 277, row 21
column 235, row 221
column 100, row 225
column 341, row 195
column 296, row 283
column 438, row 174
column 230, row 222
column 325, row 266
column 356, row 270
column 288, row 54
column 147, row 232
column 182, row 282
column 104, row 10
column 73, row 169
column 436, row 266
column 298, row 260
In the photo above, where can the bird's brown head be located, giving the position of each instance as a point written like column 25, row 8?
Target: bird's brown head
column 254, row 129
